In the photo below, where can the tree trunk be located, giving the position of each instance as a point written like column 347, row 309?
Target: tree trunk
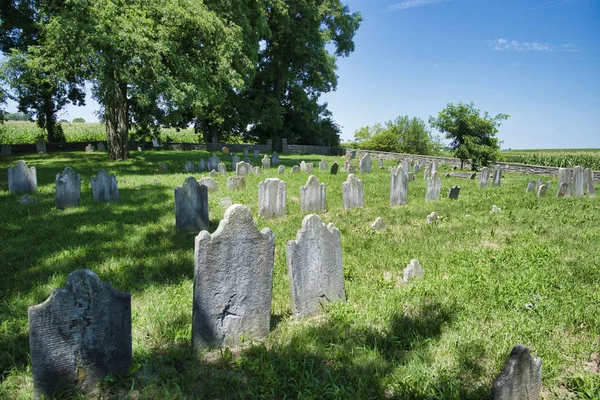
column 116, row 118
column 50, row 118
column 214, row 133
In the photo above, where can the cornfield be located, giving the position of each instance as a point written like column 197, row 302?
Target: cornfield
column 587, row 158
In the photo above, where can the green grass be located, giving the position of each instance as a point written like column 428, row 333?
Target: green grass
column 530, row 275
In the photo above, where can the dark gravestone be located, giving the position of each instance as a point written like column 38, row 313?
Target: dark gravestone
column 521, row 377
column 334, row 168
column 77, row 337
column 68, row 189
column 191, row 205
column 454, row 192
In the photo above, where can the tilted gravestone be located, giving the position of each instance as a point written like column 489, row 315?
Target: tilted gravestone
column 413, row 271
column 242, row 168
column 189, row 167
column 201, row 165
column 334, row 168
column 589, row 182
column 398, row 187
column 78, row 336
column 222, row 169
column 21, row 178
column 281, row 170
column 530, row 187
column 578, row 181
column 313, row 196
column 565, row 175
column 271, row 198
column 233, row 281
column 236, row 182
column 521, row 377
column 214, row 160
column 210, row 183
column 454, row 192
column 434, row 187
column 484, row 177
column 275, row 158
column 323, row 166
column 497, row 178
column 315, row 268
column 352, row 192
column 364, row 164
column 191, row 205
column 256, row 154
column 295, row 169
column 542, row 191
column 68, row 189
column 104, row 187
column 234, row 160
column 563, row 190
column 266, row 162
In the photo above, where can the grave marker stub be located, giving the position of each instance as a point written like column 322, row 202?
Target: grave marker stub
column 334, row 168
column 79, row 335
column 521, row 377
column 271, row 198
column 313, row 195
column 315, row 268
column 233, row 281
column 398, row 187
column 191, row 205
column 295, row 169
column 352, row 192
column 104, row 187
column 21, row 178
column 281, row 169
column 563, row 190
column 89, row 148
column 68, row 189
column 256, row 171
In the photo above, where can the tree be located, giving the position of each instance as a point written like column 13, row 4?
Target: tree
column 146, row 61
column 78, row 120
column 472, row 136
column 401, row 135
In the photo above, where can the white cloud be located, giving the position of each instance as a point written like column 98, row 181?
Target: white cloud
column 413, row 3
column 503, row 44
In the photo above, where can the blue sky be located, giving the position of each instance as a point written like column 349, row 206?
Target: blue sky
column 536, row 60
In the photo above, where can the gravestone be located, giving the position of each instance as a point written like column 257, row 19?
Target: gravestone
column 434, row 187
column 191, row 205
column 5, row 150
column 245, row 152
column 398, row 187
column 353, row 154
column 104, row 187
column 68, row 189
column 406, row 166
column 209, row 167
column 256, row 171
column 275, row 158
column 434, row 166
column 226, row 202
column 484, row 177
column 323, row 165
column 380, row 163
column 313, row 196
column 454, row 192
column 352, row 192
column 213, row 174
column 210, row 183
column 296, row 169
column 315, row 268
column 521, row 377
column 162, row 167
column 542, row 191
column 233, row 281
column 139, row 149
column 589, row 182
column 530, row 187
column 40, row 147
column 563, row 190
column 281, row 170
column 426, row 173
column 89, row 148
column 416, row 169
column 578, row 181
column 189, row 167
column 234, row 160
column 214, row 161
column 26, row 200
column 201, row 165
column 256, row 154
column 352, row 169
column 78, row 336
column 378, row 225
column 271, row 198
column 538, row 184
column 565, row 175
column 21, row 178
column 242, row 168
column 236, row 182
column 364, row 164
column 266, row 162
column 497, row 179
column 334, row 168
column 101, row 146
column 222, row 169
column 413, row 271
column 433, row 218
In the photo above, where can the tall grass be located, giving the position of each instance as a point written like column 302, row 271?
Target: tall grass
column 588, row 158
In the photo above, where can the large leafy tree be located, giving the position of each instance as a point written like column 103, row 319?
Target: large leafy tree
column 146, row 60
column 472, row 135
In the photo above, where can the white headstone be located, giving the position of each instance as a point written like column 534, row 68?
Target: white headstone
column 271, row 198
column 266, row 162
column 323, row 165
column 242, row 168
column 413, row 271
column 484, row 177
column 398, row 187
column 222, row 169
column 434, row 187
column 352, row 192
column 210, row 183
column 313, row 196
column 364, row 164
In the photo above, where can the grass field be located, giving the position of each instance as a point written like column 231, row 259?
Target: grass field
column 529, row 274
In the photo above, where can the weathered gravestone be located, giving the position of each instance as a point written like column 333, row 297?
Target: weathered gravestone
column 256, row 171
column 334, row 168
column 266, row 162
column 210, row 183
column 233, row 281
column 191, row 205
column 378, row 225
column 352, row 192
column 364, row 164
column 565, row 175
column 281, row 170
column 398, row 187
column 406, row 166
column 295, row 169
column 5, row 150
column 68, row 189
column 234, row 160
column 304, row 167
column 214, row 160
column 416, row 169
column 542, row 191
column 40, row 147
column 454, row 192
column 275, row 158
column 315, row 268
column 78, row 336
column 521, row 377
column 433, row 218
column 484, row 177
column 201, row 165
column 413, row 271
column 351, row 169
column 222, row 169
column 313, row 195
column 530, row 186
column 271, row 198
column 104, row 187
column 323, row 165
column 226, row 202
column 497, row 179
column 563, row 190
column 236, row 182
column 589, row 182
column 256, row 154
column 101, row 146
column 242, row 168
column 189, row 167
column 434, row 167
column 578, row 181
column 21, row 178
column 434, row 187
column 89, row 148
column 213, row 174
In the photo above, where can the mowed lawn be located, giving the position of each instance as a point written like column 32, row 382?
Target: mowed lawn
column 529, row 274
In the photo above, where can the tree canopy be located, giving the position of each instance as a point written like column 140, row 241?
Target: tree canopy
column 473, row 136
